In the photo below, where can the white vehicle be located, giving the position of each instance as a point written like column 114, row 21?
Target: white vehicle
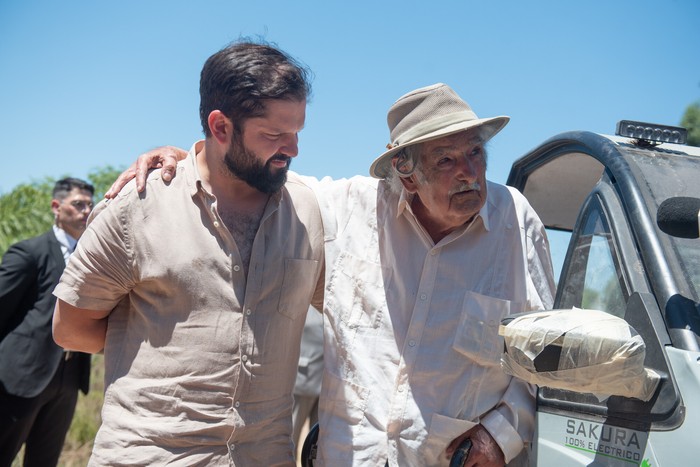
column 626, row 391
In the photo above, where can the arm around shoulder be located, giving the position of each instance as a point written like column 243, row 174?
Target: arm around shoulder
column 79, row 329
column 164, row 157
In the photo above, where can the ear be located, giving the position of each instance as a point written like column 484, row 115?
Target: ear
column 220, row 126
column 54, row 206
column 409, row 183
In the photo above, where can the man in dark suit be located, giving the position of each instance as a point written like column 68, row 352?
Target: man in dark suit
column 39, row 382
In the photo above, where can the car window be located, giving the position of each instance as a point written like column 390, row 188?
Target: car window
column 594, row 280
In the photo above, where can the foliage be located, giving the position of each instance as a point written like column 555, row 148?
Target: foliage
column 691, row 121
column 103, row 178
column 26, row 211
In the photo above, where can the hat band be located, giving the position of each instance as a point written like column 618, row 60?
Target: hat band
column 432, row 125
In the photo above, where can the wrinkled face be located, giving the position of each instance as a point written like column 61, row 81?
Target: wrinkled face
column 261, row 154
column 72, row 211
column 450, row 184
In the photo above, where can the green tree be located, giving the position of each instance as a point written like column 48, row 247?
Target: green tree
column 26, row 211
column 103, row 178
column 691, row 121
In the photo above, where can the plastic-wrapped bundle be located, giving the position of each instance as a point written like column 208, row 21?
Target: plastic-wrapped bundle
column 579, row 350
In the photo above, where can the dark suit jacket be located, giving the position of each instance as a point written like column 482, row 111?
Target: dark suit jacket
column 29, row 356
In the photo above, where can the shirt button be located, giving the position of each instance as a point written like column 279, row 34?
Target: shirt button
column 400, row 389
column 244, row 358
column 412, row 343
column 237, row 404
column 236, row 268
column 216, row 224
column 423, row 296
column 433, row 252
column 248, row 311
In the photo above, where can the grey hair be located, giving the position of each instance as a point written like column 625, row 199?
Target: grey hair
column 393, row 178
column 394, row 182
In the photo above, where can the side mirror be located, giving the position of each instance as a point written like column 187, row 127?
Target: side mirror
column 579, row 350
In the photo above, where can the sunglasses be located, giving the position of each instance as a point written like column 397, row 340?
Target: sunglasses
column 82, row 206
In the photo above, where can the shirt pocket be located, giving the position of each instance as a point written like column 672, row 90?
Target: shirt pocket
column 298, row 284
column 355, row 291
column 477, row 333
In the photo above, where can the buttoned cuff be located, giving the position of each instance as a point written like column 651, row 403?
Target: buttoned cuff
column 504, row 433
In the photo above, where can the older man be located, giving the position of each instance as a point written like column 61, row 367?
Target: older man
column 423, row 261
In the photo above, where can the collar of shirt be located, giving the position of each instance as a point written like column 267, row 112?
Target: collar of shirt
column 64, row 239
column 194, row 181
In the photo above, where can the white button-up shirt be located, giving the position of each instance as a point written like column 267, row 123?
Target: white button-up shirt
column 411, row 331
column 66, row 241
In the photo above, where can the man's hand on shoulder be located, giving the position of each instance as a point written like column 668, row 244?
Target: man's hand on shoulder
column 164, row 158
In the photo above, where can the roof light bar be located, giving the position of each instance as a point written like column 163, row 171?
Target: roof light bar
column 652, row 132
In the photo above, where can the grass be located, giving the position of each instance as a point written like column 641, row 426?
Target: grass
column 86, row 421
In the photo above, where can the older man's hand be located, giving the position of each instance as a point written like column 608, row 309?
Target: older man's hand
column 485, row 451
column 164, row 158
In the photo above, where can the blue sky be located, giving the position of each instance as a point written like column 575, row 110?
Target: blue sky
column 87, row 84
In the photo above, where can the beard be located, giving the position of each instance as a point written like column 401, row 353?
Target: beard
column 243, row 164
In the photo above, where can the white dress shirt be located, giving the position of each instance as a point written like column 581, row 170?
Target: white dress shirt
column 411, row 327
column 66, row 241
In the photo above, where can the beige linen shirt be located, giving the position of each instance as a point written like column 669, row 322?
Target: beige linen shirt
column 200, row 357
column 411, row 332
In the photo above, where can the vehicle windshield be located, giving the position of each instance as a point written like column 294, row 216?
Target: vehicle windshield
column 669, row 175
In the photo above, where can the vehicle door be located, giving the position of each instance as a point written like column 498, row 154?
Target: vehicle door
column 603, row 271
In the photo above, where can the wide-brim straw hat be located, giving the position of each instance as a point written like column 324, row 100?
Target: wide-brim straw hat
column 429, row 113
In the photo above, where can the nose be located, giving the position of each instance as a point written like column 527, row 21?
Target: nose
column 468, row 168
column 290, row 147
